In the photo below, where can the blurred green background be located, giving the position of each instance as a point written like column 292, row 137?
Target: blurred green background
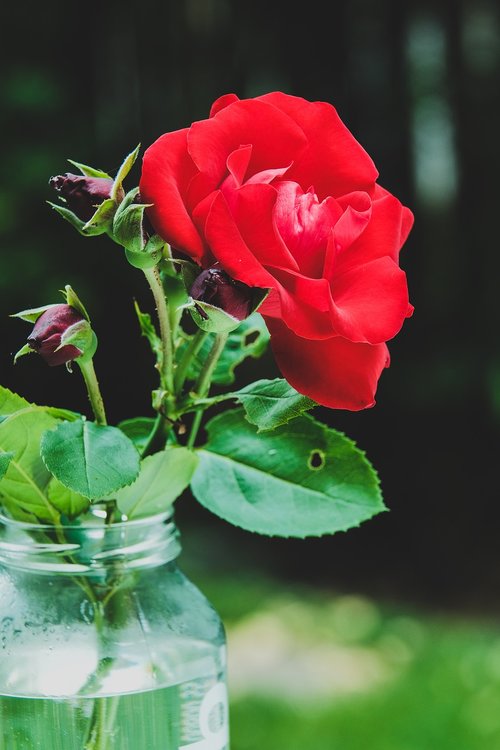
column 387, row 636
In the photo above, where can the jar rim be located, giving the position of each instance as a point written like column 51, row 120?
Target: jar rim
column 134, row 523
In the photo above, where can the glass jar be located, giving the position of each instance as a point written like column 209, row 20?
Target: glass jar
column 104, row 643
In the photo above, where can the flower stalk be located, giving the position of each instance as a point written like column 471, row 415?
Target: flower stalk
column 190, row 352
column 202, row 385
column 93, row 390
column 166, row 365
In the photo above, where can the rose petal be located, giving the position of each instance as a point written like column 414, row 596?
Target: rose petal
column 370, row 302
column 237, row 163
column 254, row 214
column 223, row 101
column 334, row 162
column 335, row 373
column 305, row 304
column 276, row 139
column 167, row 170
column 385, row 234
column 305, row 225
column 228, row 246
column 224, row 235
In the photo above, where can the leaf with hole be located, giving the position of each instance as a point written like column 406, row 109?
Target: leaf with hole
column 93, row 460
column 302, row 479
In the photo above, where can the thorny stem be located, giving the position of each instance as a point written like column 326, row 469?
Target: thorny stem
column 95, row 397
column 202, row 385
column 166, row 372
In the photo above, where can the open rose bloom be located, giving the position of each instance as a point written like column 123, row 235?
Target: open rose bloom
column 278, row 193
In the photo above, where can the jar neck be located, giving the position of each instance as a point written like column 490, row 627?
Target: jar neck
column 90, row 548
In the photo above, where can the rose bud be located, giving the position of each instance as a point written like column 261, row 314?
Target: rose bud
column 56, row 326
column 83, row 195
column 217, row 288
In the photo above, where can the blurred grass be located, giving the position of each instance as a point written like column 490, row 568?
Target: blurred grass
column 311, row 670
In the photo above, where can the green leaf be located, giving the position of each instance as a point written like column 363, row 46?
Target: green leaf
column 24, row 485
column 64, row 414
column 11, row 402
column 67, row 502
column 250, row 339
column 163, row 477
column 93, row 460
column 138, row 430
column 89, row 171
column 5, row 458
column 303, row 479
column 149, row 331
column 271, row 403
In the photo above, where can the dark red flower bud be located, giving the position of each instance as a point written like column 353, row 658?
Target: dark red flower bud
column 45, row 338
column 218, row 289
column 83, row 195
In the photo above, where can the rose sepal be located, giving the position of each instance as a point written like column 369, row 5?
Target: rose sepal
column 81, row 336
column 26, row 349
column 70, row 217
column 101, row 220
column 210, row 318
column 74, row 300
column 32, row 314
column 90, row 349
column 214, row 319
column 90, row 171
column 142, row 250
column 117, row 192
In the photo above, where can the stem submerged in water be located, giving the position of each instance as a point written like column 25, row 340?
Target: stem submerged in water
column 102, row 723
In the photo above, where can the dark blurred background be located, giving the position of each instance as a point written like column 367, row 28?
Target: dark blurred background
column 417, row 83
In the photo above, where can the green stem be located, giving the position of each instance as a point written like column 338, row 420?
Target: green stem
column 167, row 360
column 195, row 426
column 103, row 718
column 202, row 385
column 190, row 352
column 90, row 378
column 157, row 437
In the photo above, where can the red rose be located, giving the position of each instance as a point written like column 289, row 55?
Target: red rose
column 280, row 194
